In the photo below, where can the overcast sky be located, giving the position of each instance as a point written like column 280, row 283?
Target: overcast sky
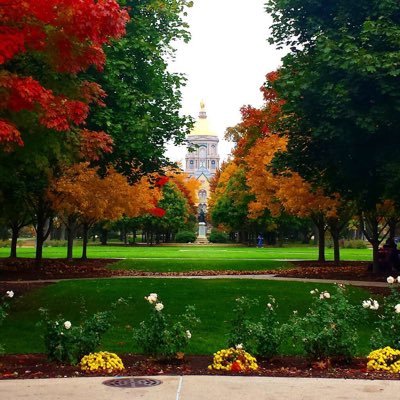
column 225, row 62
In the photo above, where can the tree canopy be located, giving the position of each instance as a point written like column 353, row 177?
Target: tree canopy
column 143, row 96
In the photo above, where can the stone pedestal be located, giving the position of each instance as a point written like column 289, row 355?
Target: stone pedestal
column 201, row 237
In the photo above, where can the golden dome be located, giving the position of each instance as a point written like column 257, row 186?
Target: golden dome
column 201, row 126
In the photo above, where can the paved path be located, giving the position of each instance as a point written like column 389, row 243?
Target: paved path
column 268, row 277
column 203, row 388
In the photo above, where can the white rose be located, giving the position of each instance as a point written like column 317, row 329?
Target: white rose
column 188, row 334
column 312, row 291
column 327, row 295
column 67, row 324
column 390, row 279
column 152, row 298
column 10, row 293
column 159, row 306
column 397, row 308
column 398, row 279
column 321, row 296
column 375, row 305
column 269, row 305
column 239, row 346
column 366, row 303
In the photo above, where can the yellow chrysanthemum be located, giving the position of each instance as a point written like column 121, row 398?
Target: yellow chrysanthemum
column 101, row 361
column 385, row 359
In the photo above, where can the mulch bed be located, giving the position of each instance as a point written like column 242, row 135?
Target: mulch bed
column 37, row 366
column 34, row 366
column 23, row 269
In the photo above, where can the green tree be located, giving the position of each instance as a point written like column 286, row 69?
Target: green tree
column 143, row 96
column 341, row 87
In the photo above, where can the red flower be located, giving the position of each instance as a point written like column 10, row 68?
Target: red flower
column 236, row 367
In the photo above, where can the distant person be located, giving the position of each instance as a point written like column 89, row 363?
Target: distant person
column 260, row 240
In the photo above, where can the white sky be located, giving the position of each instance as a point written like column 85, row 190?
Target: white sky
column 225, row 62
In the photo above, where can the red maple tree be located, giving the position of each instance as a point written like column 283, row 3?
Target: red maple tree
column 68, row 35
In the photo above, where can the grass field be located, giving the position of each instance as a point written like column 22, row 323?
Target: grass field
column 210, row 253
column 214, row 301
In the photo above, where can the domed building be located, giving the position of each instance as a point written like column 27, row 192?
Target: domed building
column 203, row 162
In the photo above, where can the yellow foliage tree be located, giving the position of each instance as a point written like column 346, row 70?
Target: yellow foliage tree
column 82, row 196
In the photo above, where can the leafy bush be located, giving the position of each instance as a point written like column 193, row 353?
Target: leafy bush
column 328, row 329
column 55, row 243
column 160, row 337
column 354, row 244
column 218, row 237
column 101, row 361
column 260, row 335
column 185, row 237
column 387, row 325
column 67, row 342
column 4, row 243
column 3, row 310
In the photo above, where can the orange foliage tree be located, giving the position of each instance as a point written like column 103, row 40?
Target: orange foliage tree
column 81, row 196
column 257, row 145
column 286, row 191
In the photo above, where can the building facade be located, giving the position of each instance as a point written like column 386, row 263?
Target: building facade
column 202, row 159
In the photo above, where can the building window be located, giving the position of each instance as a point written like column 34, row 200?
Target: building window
column 213, row 149
column 213, row 164
column 191, row 164
column 203, row 152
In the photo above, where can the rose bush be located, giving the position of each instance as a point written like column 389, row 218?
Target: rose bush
column 159, row 336
column 387, row 325
column 328, row 329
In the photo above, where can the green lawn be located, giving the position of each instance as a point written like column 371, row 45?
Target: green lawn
column 209, row 253
column 214, row 301
column 181, row 265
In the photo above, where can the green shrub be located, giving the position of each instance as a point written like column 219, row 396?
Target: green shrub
column 3, row 309
column 387, row 324
column 5, row 243
column 55, row 243
column 68, row 342
column 261, row 335
column 354, row 244
column 185, row 237
column 329, row 327
column 160, row 337
column 218, row 237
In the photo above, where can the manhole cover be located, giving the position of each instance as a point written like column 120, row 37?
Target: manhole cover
column 132, row 382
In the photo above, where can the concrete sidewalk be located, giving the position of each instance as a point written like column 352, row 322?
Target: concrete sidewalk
column 203, row 388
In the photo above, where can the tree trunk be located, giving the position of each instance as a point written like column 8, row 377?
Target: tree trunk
column 104, row 236
column 14, row 240
column 85, row 241
column 375, row 260
column 335, row 227
column 336, row 248
column 319, row 222
column 42, row 233
column 392, row 222
column 70, row 237
column 370, row 226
